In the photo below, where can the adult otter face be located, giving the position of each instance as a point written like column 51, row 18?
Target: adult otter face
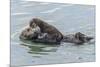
column 29, row 34
column 26, row 34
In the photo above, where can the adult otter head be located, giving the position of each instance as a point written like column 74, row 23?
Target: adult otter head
column 28, row 34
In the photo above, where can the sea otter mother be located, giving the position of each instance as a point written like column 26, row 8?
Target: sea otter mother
column 49, row 34
column 53, row 34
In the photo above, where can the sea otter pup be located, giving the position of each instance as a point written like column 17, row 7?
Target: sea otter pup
column 53, row 34
column 77, row 38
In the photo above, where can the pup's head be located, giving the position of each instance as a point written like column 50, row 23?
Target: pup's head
column 36, row 21
column 32, row 24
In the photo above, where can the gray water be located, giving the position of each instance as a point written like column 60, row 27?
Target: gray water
column 68, row 18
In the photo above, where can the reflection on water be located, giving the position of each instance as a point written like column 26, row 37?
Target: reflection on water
column 68, row 18
column 40, row 49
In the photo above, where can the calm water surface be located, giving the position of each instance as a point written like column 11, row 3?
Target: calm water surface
column 68, row 18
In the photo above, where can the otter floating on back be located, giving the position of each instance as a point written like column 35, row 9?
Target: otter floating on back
column 40, row 31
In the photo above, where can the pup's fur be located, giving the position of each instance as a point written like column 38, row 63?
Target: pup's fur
column 52, row 32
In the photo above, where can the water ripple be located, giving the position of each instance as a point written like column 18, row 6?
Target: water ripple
column 51, row 11
column 20, row 13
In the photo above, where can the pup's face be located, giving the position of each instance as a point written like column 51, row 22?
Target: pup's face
column 36, row 21
column 33, row 25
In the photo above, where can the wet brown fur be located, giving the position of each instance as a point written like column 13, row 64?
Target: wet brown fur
column 52, row 32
